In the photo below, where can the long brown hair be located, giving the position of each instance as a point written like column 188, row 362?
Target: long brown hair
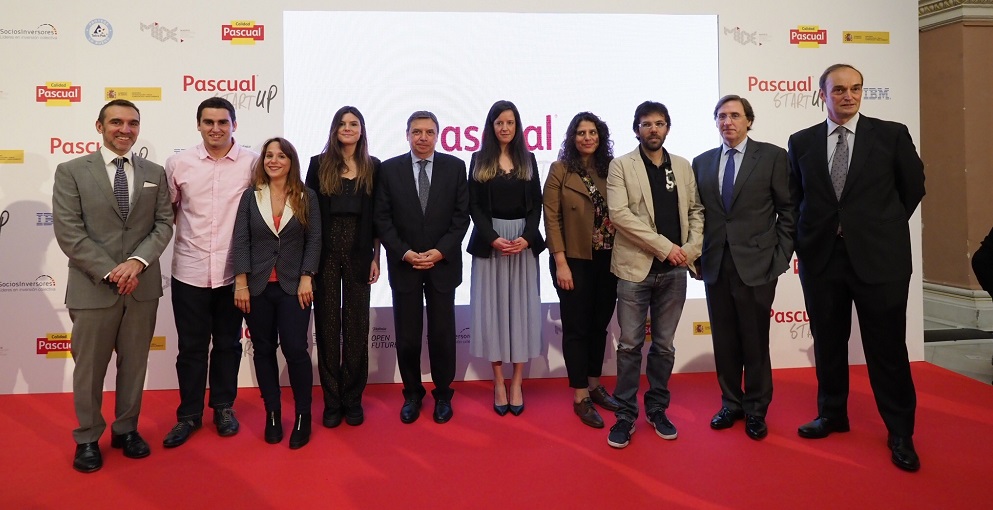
column 296, row 195
column 488, row 160
column 333, row 161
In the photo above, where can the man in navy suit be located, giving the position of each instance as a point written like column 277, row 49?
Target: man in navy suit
column 747, row 244
column 422, row 214
column 856, row 182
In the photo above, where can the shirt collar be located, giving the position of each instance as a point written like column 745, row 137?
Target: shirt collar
column 740, row 147
column 232, row 154
column 850, row 125
column 109, row 156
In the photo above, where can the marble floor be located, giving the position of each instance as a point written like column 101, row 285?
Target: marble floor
column 970, row 357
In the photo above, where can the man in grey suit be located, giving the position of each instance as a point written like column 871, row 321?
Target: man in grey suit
column 747, row 244
column 112, row 219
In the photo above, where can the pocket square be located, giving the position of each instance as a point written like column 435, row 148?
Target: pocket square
column 148, row 184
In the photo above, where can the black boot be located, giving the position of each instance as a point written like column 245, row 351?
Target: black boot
column 273, row 427
column 301, row 431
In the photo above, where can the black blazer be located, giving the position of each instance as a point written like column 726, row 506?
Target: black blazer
column 759, row 225
column 363, row 250
column 402, row 225
column 256, row 249
column 481, row 210
column 885, row 184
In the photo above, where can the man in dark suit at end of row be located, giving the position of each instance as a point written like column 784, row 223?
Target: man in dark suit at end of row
column 113, row 220
column 422, row 214
column 747, row 243
column 856, row 182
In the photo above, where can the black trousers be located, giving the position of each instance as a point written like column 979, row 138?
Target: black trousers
column 341, row 318
column 586, row 311
column 882, row 312
column 739, row 325
column 204, row 317
column 408, row 320
column 276, row 320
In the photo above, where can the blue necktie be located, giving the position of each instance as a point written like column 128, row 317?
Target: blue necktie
column 727, row 185
column 121, row 187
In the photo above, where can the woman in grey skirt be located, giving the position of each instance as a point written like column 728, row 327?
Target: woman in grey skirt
column 505, row 205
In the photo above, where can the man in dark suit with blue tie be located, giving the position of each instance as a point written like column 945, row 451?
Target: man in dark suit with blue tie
column 856, row 182
column 747, row 243
column 113, row 220
column 422, row 214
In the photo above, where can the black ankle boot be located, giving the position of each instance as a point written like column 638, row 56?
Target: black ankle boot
column 273, row 427
column 301, row 431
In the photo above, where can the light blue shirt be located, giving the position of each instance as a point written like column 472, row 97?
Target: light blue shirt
column 738, row 157
column 417, row 170
column 832, row 138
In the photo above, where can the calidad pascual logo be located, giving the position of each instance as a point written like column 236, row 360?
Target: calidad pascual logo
column 99, row 31
column 55, row 345
column 58, row 93
column 808, row 36
column 242, row 32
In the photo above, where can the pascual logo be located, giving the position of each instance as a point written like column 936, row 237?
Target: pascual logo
column 55, row 345
column 744, row 37
column 43, row 31
column 536, row 137
column 99, row 32
column 58, row 93
column 876, row 93
column 163, row 33
column 787, row 316
column 56, row 144
column 790, row 94
column 43, row 283
column 44, row 219
column 243, row 93
column 808, row 36
column 242, row 32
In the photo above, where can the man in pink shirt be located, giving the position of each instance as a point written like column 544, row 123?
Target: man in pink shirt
column 206, row 183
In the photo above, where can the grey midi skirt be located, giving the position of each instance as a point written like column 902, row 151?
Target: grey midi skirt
column 505, row 303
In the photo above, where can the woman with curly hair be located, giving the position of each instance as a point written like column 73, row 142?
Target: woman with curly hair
column 580, row 237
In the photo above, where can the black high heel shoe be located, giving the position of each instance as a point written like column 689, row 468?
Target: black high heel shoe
column 517, row 410
column 500, row 409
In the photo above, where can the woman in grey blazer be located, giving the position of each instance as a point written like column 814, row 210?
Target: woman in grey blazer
column 275, row 252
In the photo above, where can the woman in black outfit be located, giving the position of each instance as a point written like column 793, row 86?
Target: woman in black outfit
column 344, row 178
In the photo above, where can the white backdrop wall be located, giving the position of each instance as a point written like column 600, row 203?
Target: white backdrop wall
column 62, row 60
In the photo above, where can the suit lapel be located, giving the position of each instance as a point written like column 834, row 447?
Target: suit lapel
column 864, row 139
column 711, row 175
column 407, row 185
column 748, row 163
column 141, row 175
column 98, row 171
column 818, row 156
column 263, row 198
column 641, row 173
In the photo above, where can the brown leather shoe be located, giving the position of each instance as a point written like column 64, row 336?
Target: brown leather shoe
column 587, row 413
column 603, row 399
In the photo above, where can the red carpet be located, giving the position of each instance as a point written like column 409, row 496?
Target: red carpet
column 543, row 459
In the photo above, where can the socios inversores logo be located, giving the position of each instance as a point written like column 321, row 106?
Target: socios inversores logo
column 99, row 32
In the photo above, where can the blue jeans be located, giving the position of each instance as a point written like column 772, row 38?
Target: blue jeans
column 663, row 294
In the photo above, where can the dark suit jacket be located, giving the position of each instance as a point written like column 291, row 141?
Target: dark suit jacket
column 481, row 210
column 885, row 184
column 759, row 226
column 92, row 232
column 256, row 247
column 363, row 249
column 402, row 225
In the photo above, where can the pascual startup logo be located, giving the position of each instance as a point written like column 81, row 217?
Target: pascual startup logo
column 808, row 36
column 243, row 93
column 796, row 94
column 242, row 32
column 163, row 33
column 744, row 37
column 43, row 31
column 99, row 31
column 58, row 93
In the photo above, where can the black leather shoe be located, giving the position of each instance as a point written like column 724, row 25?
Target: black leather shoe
column 180, row 433
column 301, row 431
column 410, row 411
column 755, row 427
column 501, row 409
column 904, row 455
column 332, row 418
column 725, row 418
column 443, row 411
column 517, row 410
column 354, row 415
column 587, row 413
column 273, row 427
column 227, row 424
column 133, row 445
column 88, row 458
column 822, row 427
column 605, row 400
